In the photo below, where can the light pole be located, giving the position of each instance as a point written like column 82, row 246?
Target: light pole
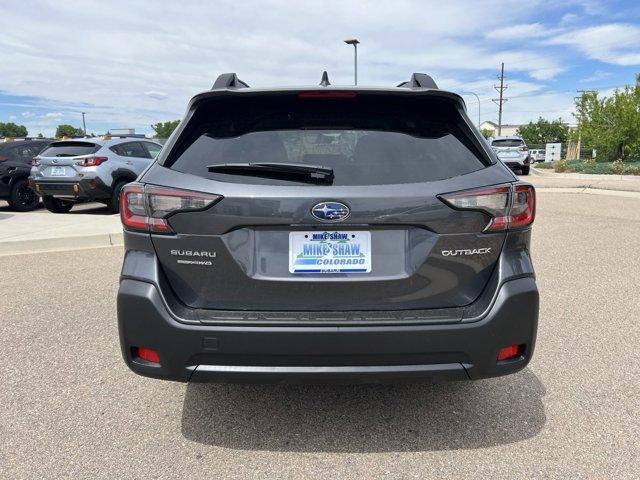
column 84, row 125
column 354, row 42
column 477, row 98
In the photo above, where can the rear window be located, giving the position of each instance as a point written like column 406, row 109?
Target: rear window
column 69, row 149
column 507, row 142
column 367, row 141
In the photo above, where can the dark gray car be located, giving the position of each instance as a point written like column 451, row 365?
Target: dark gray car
column 327, row 234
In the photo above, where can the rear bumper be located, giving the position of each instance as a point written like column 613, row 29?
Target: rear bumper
column 516, row 163
column 354, row 354
column 85, row 189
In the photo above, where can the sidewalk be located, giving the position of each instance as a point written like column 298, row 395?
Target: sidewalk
column 620, row 183
column 86, row 226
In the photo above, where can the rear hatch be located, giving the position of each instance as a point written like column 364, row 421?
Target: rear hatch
column 61, row 161
column 509, row 148
column 374, row 237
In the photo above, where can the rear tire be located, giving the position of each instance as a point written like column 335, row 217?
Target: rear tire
column 114, row 202
column 55, row 205
column 22, row 197
column 525, row 170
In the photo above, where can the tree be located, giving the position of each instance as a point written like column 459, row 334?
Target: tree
column 486, row 133
column 68, row 131
column 611, row 125
column 12, row 130
column 544, row 131
column 40, row 135
column 165, row 129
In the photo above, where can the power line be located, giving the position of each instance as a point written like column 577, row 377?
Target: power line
column 500, row 101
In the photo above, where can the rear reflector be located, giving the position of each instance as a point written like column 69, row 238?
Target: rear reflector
column 509, row 206
column 321, row 94
column 147, row 208
column 147, row 354
column 508, row 353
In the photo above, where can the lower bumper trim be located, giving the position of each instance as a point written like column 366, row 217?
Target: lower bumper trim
column 327, row 374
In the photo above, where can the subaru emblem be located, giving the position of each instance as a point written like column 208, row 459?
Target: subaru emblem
column 330, row 211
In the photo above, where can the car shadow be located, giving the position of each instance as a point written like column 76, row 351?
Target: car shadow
column 366, row 418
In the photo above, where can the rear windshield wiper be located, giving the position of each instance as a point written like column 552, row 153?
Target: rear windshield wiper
column 282, row 171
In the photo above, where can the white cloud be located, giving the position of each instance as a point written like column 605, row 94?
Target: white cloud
column 55, row 116
column 614, row 43
column 156, row 95
column 596, row 76
column 519, row 32
column 133, row 67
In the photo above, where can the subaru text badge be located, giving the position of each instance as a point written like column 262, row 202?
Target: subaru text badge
column 330, row 211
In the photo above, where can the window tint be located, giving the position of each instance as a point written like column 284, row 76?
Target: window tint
column 69, row 149
column 152, row 148
column 507, row 142
column 130, row 149
column 385, row 140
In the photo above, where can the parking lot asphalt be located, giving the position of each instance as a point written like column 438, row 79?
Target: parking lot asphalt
column 70, row 407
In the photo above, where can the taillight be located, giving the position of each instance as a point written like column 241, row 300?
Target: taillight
column 146, row 208
column 322, row 94
column 2, row 159
column 523, row 206
column 91, row 161
column 524, row 149
column 509, row 206
column 35, row 162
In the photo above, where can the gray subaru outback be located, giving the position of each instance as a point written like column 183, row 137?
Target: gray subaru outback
column 327, row 234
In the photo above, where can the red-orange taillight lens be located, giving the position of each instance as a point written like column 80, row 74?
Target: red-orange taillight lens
column 146, row 208
column 509, row 206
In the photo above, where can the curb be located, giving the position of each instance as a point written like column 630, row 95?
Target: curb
column 61, row 244
column 588, row 191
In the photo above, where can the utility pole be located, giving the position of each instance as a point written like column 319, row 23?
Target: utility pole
column 500, row 101
column 84, row 125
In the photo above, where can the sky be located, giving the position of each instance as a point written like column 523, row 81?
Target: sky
column 131, row 64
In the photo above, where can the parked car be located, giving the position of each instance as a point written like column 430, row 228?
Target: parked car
column 327, row 234
column 91, row 169
column 537, row 155
column 15, row 165
column 513, row 152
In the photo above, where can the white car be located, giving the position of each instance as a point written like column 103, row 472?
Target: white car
column 513, row 152
column 89, row 169
column 538, row 155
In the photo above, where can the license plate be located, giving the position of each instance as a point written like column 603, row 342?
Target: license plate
column 330, row 252
column 508, row 154
column 57, row 172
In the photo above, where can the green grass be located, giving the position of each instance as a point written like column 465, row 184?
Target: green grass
column 545, row 165
column 581, row 166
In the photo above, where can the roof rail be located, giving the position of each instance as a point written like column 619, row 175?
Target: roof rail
column 228, row 80
column 419, row 80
